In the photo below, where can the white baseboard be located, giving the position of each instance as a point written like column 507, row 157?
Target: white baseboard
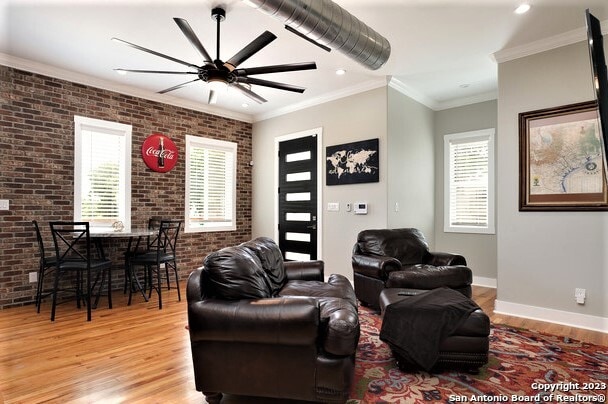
column 594, row 323
column 485, row 282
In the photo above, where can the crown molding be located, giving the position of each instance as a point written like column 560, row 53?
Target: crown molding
column 461, row 102
column 439, row 105
column 345, row 92
column 542, row 45
column 408, row 91
column 63, row 74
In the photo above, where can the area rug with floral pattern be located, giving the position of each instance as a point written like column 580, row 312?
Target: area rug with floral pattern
column 523, row 366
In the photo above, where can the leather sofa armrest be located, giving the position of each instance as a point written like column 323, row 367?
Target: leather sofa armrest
column 194, row 287
column 375, row 266
column 305, row 270
column 442, row 259
column 280, row 321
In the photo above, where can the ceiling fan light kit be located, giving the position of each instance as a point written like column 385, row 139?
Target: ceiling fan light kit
column 222, row 75
column 329, row 25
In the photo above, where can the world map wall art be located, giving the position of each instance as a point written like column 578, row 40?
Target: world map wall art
column 353, row 163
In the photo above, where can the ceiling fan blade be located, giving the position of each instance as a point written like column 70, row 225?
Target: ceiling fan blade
column 292, row 67
column 254, row 46
column 141, row 48
column 152, row 71
column 272, row 84
column 166, row 90
column 189, row 33
column 248, row 93
column 212, row 97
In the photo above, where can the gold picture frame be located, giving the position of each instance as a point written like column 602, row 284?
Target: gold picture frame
column 560, row 159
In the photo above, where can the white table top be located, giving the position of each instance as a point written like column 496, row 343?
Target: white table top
column 116, row 234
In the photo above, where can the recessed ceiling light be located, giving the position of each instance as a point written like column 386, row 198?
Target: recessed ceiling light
column 464, row 85
column 340, row 72
column 523, row 8
column 122, row 72
column 244, row 105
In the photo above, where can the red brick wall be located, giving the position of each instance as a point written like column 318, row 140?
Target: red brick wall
column 37, row 170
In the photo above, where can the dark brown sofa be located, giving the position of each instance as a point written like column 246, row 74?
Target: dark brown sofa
column 263, row 327
column 400, row 258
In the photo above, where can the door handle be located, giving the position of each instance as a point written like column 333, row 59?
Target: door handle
column 314, row 227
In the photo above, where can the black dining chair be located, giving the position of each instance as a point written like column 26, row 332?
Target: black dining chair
column 45, row 264
column 161, row 253
column 142, row 246
column 74, row 254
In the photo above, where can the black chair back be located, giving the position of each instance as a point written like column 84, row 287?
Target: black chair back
column 167, row 236
column 41, row 251
column 73, row 251
column 72, row 242
column 44, row 263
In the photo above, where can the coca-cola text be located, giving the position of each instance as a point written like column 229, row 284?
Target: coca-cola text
column 168, row 154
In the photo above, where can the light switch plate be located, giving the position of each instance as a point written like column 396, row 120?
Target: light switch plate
column 333, row 206
column 4, row 205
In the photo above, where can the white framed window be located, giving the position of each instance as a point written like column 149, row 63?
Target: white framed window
column 469, row 182
column 210, row 185
column 102, row 173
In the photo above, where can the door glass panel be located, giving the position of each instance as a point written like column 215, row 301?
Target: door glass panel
column 305, row 155
column 303, row 176
column 297, row 196
column 298, row 217
column 296, row 256
column 292, row 236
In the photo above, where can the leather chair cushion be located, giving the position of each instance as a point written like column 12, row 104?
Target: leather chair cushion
column 236, row 273
column 337, row 286
column 271, row 259
column 407, row 245
column 430, row 277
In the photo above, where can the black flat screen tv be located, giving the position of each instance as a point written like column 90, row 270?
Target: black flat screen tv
column 600, row 79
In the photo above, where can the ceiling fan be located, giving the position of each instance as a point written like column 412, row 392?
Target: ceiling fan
column 220, row 74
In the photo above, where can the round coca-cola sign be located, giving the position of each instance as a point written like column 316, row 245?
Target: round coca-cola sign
column 159, row 152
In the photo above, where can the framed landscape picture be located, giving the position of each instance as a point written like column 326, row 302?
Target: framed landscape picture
column 353, row 163
column 560, row 159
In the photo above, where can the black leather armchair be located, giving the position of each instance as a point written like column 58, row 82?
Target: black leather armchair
column 400, row 258
column 263, row 327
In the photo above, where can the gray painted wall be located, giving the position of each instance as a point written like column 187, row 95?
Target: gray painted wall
column 411, row 167
column 543, row 256
column 359, row 117
column 479, row 249
column 538, row 258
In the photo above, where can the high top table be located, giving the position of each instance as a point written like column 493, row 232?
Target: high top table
column 99, row 236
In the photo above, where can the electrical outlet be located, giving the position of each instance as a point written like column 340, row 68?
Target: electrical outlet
column 580, row 294
column 348, row 207
column 33, row 277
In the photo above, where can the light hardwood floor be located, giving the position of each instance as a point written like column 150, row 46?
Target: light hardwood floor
column 131, row 354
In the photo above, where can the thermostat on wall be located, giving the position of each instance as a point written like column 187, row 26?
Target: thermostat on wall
column 360, row 208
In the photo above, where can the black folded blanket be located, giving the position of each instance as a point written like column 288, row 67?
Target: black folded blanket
column 415, row 326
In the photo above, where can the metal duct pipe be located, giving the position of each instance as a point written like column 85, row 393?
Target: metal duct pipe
column 328, row 24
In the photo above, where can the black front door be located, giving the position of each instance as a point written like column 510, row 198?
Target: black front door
column 298, row 198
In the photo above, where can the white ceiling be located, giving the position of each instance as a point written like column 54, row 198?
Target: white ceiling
column 442, row 50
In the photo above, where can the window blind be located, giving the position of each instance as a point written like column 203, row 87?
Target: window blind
column 210, row 186
column 102, row 173
column 468, row 183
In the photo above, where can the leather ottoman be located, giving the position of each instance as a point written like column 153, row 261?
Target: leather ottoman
column 465, row 348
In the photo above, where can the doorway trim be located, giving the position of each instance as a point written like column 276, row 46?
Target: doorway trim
column 320, row 177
